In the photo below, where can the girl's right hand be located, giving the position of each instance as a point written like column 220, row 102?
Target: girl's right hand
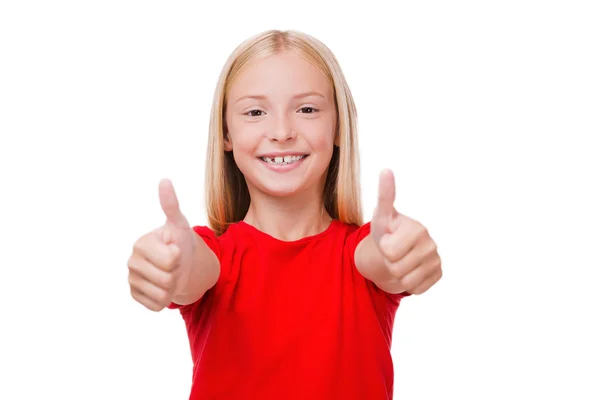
column 162, row 259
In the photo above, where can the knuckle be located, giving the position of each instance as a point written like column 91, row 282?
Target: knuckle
column 387, row 252
column 432, row 248
column 402, row 266
column 175, row 251
column 169, row 281
column 401, row 286
column 133, row 280
column 418, row 228
column 163, row 298
column 164, row 301
column 153, row 307
column 408, row 282
column 418, row 291
column 132, row 264
column 434, row 266
column 396, row 270
column 135, row 295
column 167, row 266
column 171, row 259
column 403, row 282
column 391, row 251
column 172, row 265
column 141, row 245
column 137, row 245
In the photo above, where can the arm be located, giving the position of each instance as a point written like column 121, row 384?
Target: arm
column 405, row 260
column 199, row 276
column 398, row 255
column 370, row 263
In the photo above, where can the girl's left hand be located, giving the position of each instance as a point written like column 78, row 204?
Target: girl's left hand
column 410, row 254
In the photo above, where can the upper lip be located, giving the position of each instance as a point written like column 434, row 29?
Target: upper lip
column 283, row 154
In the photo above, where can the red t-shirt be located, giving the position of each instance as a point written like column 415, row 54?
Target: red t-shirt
column 290, row 320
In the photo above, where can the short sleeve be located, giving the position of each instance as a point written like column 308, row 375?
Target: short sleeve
column 352, row 241
column 210, row 239
column 356, row 237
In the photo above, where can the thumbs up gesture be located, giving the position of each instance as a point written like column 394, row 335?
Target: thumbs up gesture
column 161, row 259
column 410, row 255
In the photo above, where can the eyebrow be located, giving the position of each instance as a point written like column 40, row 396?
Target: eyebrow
column 298, row 96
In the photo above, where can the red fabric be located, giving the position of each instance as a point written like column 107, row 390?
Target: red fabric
column 290, row 320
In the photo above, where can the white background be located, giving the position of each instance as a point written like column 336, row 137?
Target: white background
column 487, row 112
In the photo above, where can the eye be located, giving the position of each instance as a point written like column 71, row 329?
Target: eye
column 308, row 110
column 253, row 113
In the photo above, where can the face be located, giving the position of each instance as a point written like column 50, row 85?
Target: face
column 281, row 122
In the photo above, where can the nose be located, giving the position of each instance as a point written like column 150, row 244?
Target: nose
column 281, row 130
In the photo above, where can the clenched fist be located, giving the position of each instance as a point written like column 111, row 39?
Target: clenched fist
column 162, row 258
column 410, row 254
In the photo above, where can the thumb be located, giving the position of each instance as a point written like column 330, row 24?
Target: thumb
column 387, row 195
column 170, row 204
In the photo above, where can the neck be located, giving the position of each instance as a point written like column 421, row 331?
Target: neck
column 289, row 218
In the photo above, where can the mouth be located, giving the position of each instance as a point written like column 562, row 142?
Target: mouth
column 283, row 160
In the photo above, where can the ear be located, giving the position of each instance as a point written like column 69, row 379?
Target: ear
column 226, row 137
column 227, row 142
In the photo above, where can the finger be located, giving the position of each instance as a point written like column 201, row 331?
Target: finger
column 164, row 233
column 159, row 254
column 419, row 276
column 152, row 292
column 165, row 258
column 428, row 282
column 404, row 265
column 396, row 245
column 386, row 194
column 397, row 221
column 170, row 204
column 417, row 256
column 145, row 300
column 151, row 273
column 407, row 241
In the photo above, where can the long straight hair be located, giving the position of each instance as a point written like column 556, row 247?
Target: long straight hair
column 227, row 196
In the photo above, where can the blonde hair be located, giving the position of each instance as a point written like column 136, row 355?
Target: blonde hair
column 227, row 197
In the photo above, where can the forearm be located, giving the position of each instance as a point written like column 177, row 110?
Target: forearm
column 199, row 276
column 371, row 264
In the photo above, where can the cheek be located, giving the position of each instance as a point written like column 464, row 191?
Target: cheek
column 244, row 137
column 320, row 135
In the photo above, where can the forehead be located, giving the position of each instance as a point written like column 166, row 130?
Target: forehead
column 278, row 75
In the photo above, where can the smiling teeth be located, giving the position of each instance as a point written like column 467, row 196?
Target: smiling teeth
column 282, row 160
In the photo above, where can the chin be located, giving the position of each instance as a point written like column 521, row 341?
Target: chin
column 281, row 190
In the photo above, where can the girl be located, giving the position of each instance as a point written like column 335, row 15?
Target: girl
column 287, row 294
